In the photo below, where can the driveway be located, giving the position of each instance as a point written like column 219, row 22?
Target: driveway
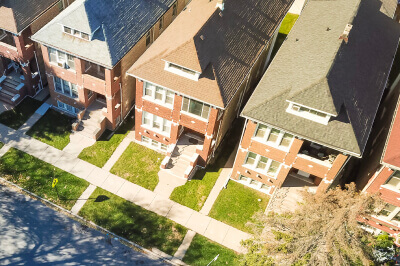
column 33, row 234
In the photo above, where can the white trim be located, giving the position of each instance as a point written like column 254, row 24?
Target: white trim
column 202, row 109
column 247, row 183
column 195, row 76
column 152, row 98
column 308, row 107
column 162, row 124
column 70, row 95
column 150, row 146
column 267, row 167
column 308, row 115
column 277, row 143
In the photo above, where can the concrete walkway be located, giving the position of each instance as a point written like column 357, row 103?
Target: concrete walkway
column 180, row 253
column 117, row 153
column 214, row 230
column 83, row 199
column 219, row 184
column 77, row 142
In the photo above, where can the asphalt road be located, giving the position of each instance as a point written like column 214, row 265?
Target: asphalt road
column 34, row 234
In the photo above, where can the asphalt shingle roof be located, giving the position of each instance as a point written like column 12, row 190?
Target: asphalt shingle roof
column 117, row 26
column 314, row 68
column 16, row 15
column 223, row 45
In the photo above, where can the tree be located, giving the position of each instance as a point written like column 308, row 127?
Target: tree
column 324, row 230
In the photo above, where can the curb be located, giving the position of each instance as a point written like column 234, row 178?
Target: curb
column 170, row 259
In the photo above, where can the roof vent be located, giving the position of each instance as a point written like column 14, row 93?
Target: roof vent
column 202, row 37
column 346, row 32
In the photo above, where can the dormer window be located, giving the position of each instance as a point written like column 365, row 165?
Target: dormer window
column 182, row 71
column 308, row 113
column 76, row 33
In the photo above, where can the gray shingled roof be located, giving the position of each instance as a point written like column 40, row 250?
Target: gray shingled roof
column 122, row 23
column 16, row 15
column 314, row 68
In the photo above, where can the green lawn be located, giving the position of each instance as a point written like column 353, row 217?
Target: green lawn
column 99, row 153
column 195, row 192
column 202, row 251
column 37, row 176
column 53, row 128
column 16, row 117
column 237, row 204
column 133, row 222
column 288, row 23
column 139, row 165
column 284, row 30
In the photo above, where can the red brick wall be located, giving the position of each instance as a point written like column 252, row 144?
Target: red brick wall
column 288, row 159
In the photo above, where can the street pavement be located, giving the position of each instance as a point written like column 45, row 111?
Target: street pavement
column 34, row 234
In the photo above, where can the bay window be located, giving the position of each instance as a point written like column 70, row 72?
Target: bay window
column 158, row 94
column 262, row 164
column 62, row 59
column 65, row 87
column 156, row 123
column 196, row 107
column 273, row 137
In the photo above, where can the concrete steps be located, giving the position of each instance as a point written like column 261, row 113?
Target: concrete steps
column 11, row 91
column 91, row 123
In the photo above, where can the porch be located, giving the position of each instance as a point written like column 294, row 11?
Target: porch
column 92, row 121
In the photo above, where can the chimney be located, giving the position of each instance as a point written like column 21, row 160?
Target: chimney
column 220, row 4
column 346, row 32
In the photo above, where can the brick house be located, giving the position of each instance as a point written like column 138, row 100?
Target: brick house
column 385, row 176
column 21, row 64
column 313, row 110
column 88, row 48
column 191, row 82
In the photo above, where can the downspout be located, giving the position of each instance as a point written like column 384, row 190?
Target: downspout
column 120, row 92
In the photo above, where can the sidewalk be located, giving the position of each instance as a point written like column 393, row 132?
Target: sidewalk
column 214, row 230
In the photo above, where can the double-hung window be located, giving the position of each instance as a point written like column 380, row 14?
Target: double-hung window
column 262, row 164
column 156, row 123
column 195, row 107
column 62, row 59
column 65, row 87
column 273, row 137
column 158, row 94
column 394, row 181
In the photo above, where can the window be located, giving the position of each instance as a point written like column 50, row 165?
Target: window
column 308, row 113
column 161, row 23
column 156, row 123
column 65, row 87
column 61, row 58
column 174, row 10
column 387, row 210
column 273, row 137
column 148, row 38
column 262, row 164
column 394, row 181
column 76, row 33
column 255, row 184
column 155, row 144
column 196, row 107
column 90, row 94
column 60, row 6
column 158, row 94
column 67, row 107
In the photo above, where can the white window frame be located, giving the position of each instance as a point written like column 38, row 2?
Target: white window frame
column 64, row 61
column 152, row 87
column 182, row 71
column 195, row 115
column 163, row 122
column 390, row 217
column 63, row 90
column 247, row 181
column 278, row 142
column 294, row 108
column 79, row 35
column 65, row 106
column 267, row 167
column 397, row 188
column 149, row 143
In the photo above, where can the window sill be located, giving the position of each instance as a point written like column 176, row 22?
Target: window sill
column 271, row 144
column 149, row 99
column 66, row 95
column 194, row 116
column 258, row 171
column 156, row 131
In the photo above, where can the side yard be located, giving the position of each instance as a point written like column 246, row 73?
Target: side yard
column 133, row 222
column 139, row 165
column 237, row 204
column 17, row 116
column 37, row 176
column 53, row 128
column 284, row 30
column 99, row 153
